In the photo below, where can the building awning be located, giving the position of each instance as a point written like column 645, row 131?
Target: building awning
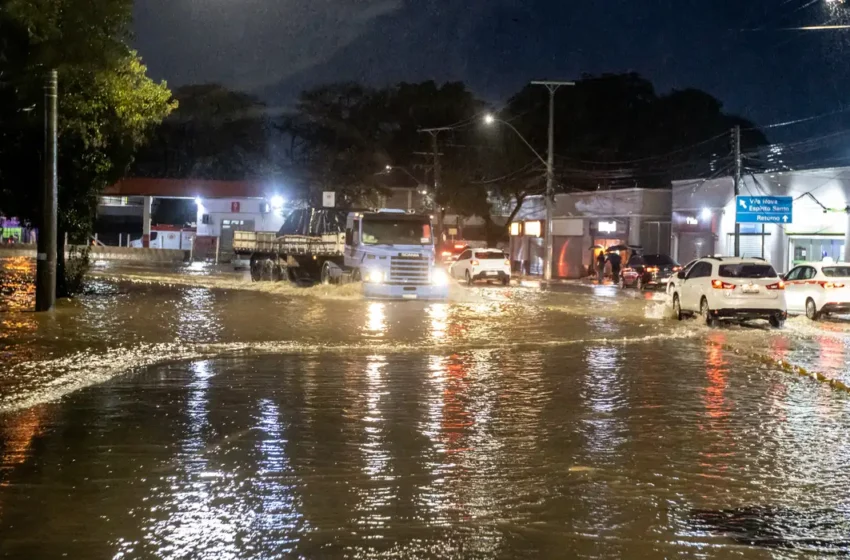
column 189, row 188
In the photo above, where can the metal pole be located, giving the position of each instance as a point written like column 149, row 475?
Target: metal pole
column 550, row 187
column 437, row 184
column 550, row 176
column 45, row 289
column 736, row 146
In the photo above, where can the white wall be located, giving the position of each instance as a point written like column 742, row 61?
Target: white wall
column 249, row 209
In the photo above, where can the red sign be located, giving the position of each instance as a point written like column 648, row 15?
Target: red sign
column 234, row 207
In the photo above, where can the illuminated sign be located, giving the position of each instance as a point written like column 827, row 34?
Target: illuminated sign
column 514, row 228
column 533, row 229
column 691, row 221
column 606, row 227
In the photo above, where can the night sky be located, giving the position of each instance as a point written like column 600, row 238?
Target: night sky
column 738, row 50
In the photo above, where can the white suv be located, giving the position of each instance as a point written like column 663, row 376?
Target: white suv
column 730, row 288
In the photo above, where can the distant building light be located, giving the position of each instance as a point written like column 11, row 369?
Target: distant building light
column 199, row 201
column 514, row 228
column 277, row 202
column 705, row 214
column 691, row 221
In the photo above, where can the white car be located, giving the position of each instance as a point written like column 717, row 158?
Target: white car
column 674, row 282
column 482, row 264
column 817, row 288
column 720, row 288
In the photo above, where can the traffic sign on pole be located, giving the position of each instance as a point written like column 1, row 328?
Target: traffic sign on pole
column 764, row 210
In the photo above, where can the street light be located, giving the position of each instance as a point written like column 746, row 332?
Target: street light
column 491, row 119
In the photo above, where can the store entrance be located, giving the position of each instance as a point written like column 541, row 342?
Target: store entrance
column 815, row 249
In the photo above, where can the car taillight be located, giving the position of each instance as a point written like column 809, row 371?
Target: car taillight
column 677, row 268
column 778, row 286
column 721, row 285
column 652, row 269
column 829, row 285
column 507, row 262
column 474, row 263
column 447, row 253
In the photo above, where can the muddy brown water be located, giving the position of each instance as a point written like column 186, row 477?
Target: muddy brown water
column 186, row 414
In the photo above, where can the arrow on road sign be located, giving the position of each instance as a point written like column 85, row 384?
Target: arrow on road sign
column 742, row 203
column 785, row 219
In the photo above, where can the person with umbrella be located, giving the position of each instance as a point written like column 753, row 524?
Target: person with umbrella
column 616, row 260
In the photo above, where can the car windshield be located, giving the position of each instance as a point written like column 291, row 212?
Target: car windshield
column 490, row 255
column 747, row 270
column 396, row 232
column 836, row 271
column 658, row 260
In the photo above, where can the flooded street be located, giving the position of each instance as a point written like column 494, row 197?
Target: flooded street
column 192, row 414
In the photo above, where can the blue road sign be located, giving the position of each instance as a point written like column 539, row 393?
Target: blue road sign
column 764, row 210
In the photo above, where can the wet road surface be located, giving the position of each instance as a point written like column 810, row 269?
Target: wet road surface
column 201, row 420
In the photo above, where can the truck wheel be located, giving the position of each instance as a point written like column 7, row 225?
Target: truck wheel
column 267, row 274
column 355, row 275
column 325, row 276
column 277, row 273
column 256, row 269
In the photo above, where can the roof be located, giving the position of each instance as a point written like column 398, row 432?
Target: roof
column 189, row 188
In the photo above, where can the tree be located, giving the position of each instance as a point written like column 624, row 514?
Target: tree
column 215, row 133
column 107, row 104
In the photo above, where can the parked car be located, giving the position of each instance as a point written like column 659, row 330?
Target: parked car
column 482, row 264
column 721, row 288
column 818, row 288
column 648, row 271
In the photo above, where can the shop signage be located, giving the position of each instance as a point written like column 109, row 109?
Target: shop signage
column 328, row 199
column 691, row 220
column 764, row 210
column 606, row 227
column 234, row 207
column 533, row 229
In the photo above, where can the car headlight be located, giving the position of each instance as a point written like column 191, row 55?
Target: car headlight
column 375, row 276
column 439, row 277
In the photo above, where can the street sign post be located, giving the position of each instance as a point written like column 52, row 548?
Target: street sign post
column 764, row 210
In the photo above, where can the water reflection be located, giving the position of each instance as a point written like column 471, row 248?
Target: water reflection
column 376, row 320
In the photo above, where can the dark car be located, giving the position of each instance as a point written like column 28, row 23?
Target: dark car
column 648, row 271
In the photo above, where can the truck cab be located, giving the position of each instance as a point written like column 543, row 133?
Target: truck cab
column 392, row 252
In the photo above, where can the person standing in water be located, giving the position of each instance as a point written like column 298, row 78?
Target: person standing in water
column 600, row 266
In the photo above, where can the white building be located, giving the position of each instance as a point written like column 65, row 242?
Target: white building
column 704, row 217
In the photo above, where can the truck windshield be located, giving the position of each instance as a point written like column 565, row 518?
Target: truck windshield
column 396, row 232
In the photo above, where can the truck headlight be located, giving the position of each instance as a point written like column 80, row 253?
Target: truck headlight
column 439, row 277
column 375, row 276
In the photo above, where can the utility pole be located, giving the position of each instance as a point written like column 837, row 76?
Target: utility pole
column 550, row 175
column 736, row 150
column 438, row 180
column 45, row 288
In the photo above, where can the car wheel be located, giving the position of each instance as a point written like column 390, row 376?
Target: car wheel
column 622, row 283
column 468, row 279
column 677, row 308
column 705, row 312
column 812, row 310
column 777, row 322
column 506, row 281
column 640, row 283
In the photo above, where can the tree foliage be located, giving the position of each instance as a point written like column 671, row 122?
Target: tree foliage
column 215, row 133
column 107, row 104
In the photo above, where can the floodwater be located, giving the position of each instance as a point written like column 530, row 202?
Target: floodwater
column 190, row 414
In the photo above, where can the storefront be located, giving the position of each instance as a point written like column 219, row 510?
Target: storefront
column 818, row 228
column 693, row 235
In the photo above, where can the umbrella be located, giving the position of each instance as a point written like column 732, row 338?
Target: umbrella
column 595, row 247
column 615, row 248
